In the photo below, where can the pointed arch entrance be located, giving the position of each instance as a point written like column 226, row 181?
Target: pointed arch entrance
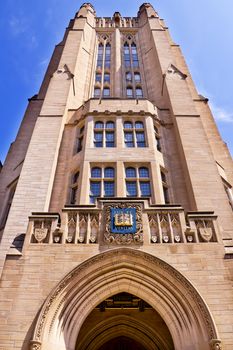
column 137, row 273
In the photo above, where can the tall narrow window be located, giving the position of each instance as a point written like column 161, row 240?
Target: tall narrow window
column 9, row 202
column 144, row 182
column 134, row 56
column 80, row 139
column 157, row 138
column 165, row 187
column 127, row 56
column 74, row 188
column 131, row 64
column 100, row 56
column 107, row 62
column 102, row 77
column 98, row 134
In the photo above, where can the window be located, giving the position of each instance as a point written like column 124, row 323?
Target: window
column 98, row 139
column 137, row 182
column 107, row 62
column 110, row 125
column 127, row 56
column 106, row 92
column 131, row 188
column 139, row 92
column 130, row 172
column 74, row 188
column 100, row 56
column 12, row 189
column 129, row 92
column 137, row 77
column 134, row 134
column 102, row 69
column 96, row 172
column 104, row 134
column 80, row 139
column 131, row 63
column 98, row 77
column 140, row 137
column 157, row 138
column 106, row 78
column 102, row 183
column 165, row 187
column 95, row 190
column 97, row 92
column 129, row 139
column 109, row 139
column 128, row 76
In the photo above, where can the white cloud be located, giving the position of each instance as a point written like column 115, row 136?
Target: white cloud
column 18, row 25
column 220, row 114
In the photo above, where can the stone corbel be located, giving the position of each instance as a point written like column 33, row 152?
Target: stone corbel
column 35, row 345
column 216, row 344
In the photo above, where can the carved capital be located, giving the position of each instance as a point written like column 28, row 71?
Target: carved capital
column 35, row 345
column 216, row 344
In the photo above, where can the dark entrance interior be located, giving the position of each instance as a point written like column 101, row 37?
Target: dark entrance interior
column 124, row 322
column 122, row 343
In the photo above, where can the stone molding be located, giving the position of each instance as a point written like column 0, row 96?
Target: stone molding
column 153, row 266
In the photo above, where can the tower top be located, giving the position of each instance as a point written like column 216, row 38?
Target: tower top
column 85, row 7
column 146, row 6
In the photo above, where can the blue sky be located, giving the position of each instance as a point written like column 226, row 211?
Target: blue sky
column 29, row 30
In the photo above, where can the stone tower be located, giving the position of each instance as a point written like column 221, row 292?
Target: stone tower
column 116, row 220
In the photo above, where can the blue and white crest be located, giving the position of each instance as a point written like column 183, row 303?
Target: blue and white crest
column 123, row 220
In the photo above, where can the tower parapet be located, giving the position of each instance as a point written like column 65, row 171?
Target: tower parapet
column 86, row 8
column 148, row 9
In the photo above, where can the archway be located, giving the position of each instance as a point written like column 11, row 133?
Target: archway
column 124, row 321
column 130, row 271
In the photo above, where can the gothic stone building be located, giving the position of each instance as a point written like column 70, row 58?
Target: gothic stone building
column 116, row 203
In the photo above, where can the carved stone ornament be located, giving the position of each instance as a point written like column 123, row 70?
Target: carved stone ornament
column 35, row 345
column 206, row 233
column 40, row 234
column 123, row 238
column 216, row 344
column 174, row 71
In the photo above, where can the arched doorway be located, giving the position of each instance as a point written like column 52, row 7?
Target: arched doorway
column 124, row 322
column 137, row 273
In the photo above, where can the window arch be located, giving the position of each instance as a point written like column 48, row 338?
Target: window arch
column 109, row 172
column 143, row 172
column 99, row 125
column 128, row 125
column 130, row 172
column 110, row 124
column 96, row 172
column 139, row 125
